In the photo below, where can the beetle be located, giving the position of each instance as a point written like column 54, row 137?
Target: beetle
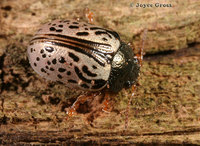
column 83, row 56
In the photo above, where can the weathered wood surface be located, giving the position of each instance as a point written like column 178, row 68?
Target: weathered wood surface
column 165, row 108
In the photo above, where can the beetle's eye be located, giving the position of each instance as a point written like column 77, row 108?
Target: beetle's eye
column 127, row 84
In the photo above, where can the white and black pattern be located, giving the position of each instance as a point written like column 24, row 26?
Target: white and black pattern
column 75, row 53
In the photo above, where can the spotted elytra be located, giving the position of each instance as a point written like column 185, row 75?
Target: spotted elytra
column 83, row 56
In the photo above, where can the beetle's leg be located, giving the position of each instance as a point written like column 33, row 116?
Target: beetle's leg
column 89, row 15
column 106, row 102
column 80, row 100
column 128, row 106
column 139, row 56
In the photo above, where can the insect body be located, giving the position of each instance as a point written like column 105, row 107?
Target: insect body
column 83, row 56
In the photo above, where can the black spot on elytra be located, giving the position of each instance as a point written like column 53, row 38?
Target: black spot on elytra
column 73, row 27
column 51, row 69
column 59, row 30
column 86, row 28
column 89, row 73
column 59, row 76
column 43, row 70
column 74, row 57
column 102, row 32
column 82, row 33
column 60, row 25
column 70, row 64
column 94, row 67
column 75, row 23
column 61, row 70
column 44, row 55
column 84, row 24
column 84, row 86
column 52, row 29
column 49, row 24
column 42, row 51
column 35, row 64
column 61, row 60
column 31, row 50
column 80, row 75
column 66, row 21
column 54, row 24
column 48, row 62
column 105, row 39
column 97, row 83
column 72, row 81
column 38, row 59
column 46, row 67
column 54, row 61
column 49, row 49
column 68, row 73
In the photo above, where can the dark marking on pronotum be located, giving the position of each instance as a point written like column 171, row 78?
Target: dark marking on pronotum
column 54, row 61
column 38, row 59
column 74, row 57
column 49, row 49
column 84, row 86
column 82, row 33
column 89, row 73
column 59, row 76
column 72, row 81
column 73, row 27
column 52, row 29
column 61, row 70
column 61, row 60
